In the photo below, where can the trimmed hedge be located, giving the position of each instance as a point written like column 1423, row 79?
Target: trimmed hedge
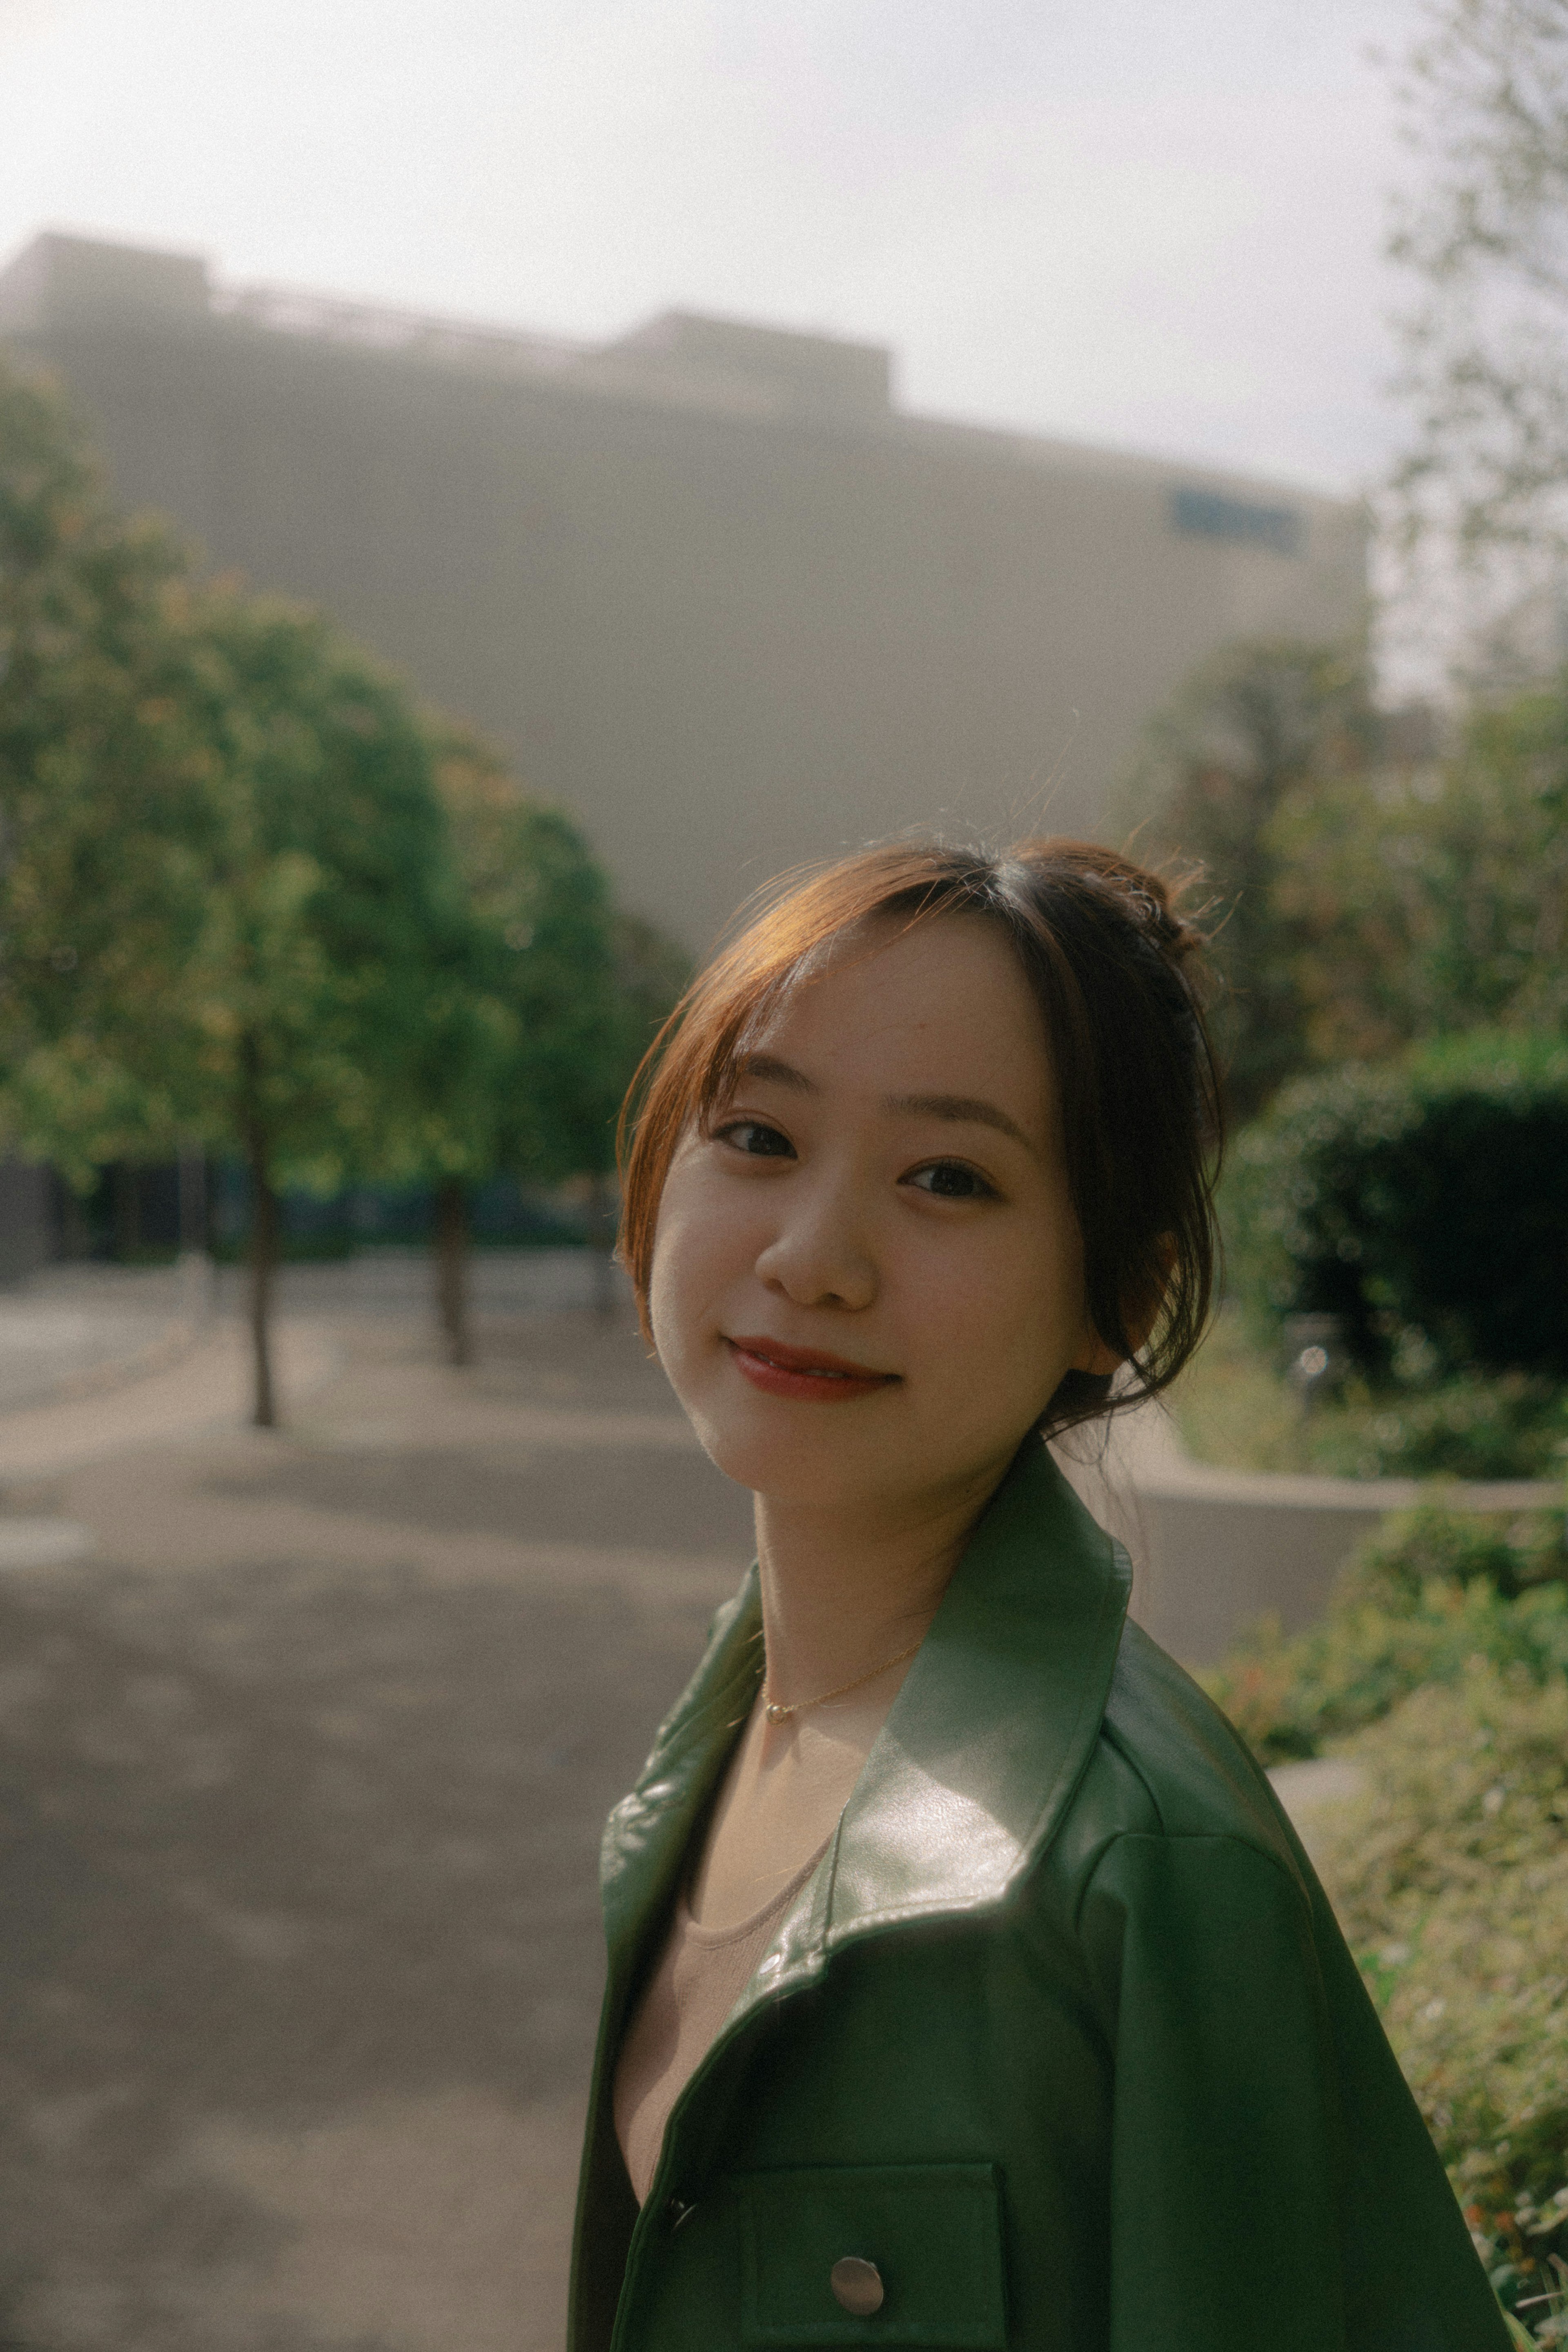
column 1423, row 1202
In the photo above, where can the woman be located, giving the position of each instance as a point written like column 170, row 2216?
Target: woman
column 967, row 1985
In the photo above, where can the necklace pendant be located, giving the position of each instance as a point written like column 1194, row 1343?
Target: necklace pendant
column 777, row 1714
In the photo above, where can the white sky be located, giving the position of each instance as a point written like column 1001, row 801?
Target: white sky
column 1150, row 222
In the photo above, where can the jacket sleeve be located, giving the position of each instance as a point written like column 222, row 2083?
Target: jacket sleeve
column 1272, row 2182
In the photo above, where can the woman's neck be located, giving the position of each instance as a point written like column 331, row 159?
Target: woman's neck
column 843, row 1594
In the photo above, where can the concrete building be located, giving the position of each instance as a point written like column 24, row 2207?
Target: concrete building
column 707, row 585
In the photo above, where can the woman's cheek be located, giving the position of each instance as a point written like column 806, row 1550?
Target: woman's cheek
column 987, row 1330
column 953, row 1326
column 697, row 1248
column 670, row 1287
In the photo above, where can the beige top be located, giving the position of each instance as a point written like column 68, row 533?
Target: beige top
column 701, row 1975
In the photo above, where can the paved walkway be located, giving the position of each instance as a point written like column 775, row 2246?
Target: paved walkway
column 81, row 1331
column 74, row 1331
column 205, row 1384
column 306, row 1744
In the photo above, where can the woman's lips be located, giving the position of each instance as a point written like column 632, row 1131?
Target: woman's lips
column 806, row 1373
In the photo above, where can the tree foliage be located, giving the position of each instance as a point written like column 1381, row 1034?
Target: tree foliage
column 1371, row 888
column 1263, row 727
column 1484, row 97
column 252, row 895
column 336, row 947
column 108, row 813
column 573, row 989
column 579, row 986
column 260, row 959
column 1421, row 898
column 339, row 963
column 543, row 911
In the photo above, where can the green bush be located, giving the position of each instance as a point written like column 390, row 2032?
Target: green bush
column 1235, row 1406
column 1501, row 1425
column 1450, row 1876
column 1433, row 1591
column 1413, row 1549
column 1423, row 1202
column 1442, row 1671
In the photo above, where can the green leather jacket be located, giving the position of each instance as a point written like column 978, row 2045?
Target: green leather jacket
column 1062, row 2035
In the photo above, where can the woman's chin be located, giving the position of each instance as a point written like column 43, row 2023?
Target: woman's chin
column 805, row 1470
column 804, row 1464
column 766, row 1469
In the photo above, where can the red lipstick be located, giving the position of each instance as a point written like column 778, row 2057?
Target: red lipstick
column 808, row 1374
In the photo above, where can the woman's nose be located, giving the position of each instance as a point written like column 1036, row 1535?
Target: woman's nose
column 819, row 1256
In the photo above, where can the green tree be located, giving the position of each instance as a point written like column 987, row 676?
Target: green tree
column 338, row 952
column 250, row 896
column 1484, row 234
column 573, row 989
column 1263, row 727
column 1371, row 886
column 1433, row 897
column 250, row 936
column 108, row 815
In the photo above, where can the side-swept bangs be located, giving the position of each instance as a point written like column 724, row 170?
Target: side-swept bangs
column 1117, row 970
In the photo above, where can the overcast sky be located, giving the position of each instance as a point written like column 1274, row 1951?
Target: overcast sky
column 1155, row 223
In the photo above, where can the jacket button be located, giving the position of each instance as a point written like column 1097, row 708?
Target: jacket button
column 857, row 2285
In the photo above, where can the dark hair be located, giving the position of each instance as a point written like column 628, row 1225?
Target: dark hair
column 1115, row 969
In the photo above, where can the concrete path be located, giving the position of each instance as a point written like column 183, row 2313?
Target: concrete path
column 74, row 1331
column 207, row 1385
column 306, row 1743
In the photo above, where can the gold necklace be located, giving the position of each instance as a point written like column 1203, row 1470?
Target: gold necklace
column 776, row 1712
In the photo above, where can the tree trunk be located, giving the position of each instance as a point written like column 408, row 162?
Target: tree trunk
column 127, row 1195
column 195, row 1265
column 452, row 1269
column 193, row 1200
column 601, row 1225
column 262, row 1261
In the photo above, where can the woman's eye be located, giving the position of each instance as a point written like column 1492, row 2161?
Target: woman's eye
column 950, row 1180
column 756, row 1138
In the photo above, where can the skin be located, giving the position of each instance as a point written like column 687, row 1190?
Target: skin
column 885, row 1187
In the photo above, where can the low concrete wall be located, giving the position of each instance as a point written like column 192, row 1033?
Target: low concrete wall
column 1215, row 1550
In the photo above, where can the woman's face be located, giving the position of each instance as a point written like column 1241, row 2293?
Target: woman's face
column 868, row 1279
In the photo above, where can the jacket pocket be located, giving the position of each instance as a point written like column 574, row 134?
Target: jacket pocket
column 922, row 2242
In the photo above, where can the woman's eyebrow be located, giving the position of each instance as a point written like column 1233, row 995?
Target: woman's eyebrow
column 771, row 1070
column 970, row 1109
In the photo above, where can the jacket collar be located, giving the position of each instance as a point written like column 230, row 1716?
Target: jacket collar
column 973, row 1768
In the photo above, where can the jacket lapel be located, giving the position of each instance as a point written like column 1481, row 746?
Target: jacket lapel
column 972, row 1771
column 989, row 1737
column 997, row 1718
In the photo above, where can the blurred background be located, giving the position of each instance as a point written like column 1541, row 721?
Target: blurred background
column 482, row 491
